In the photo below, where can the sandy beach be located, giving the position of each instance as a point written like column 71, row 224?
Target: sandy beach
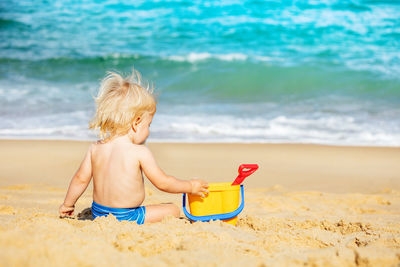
column 306, row 205
column 308, row 90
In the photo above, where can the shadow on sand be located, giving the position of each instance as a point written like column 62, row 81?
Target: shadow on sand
column 85, row 214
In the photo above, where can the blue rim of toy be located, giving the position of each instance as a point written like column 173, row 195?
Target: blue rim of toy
column 222, row 216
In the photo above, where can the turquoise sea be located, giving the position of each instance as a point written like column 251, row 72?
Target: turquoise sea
column 325, row 72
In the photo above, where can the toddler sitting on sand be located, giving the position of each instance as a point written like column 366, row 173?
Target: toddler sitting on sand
column 124, row 113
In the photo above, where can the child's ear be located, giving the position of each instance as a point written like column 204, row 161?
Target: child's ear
column 135, row 123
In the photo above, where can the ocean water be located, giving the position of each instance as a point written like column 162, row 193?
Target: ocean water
column 325, row 72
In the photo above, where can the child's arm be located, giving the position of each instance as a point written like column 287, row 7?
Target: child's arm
column 169, row 183
column 78, row 185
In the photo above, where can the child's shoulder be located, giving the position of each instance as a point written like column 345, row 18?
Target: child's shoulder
column 139, row 151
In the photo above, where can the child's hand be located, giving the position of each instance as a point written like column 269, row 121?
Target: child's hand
column 66, row 211
column 199, row 187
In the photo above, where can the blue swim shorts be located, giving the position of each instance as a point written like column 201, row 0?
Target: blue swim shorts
column 132, row 214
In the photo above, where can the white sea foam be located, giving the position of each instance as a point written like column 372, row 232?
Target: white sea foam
column 198, row 57
column 194, row 57
column 335, row 130
column 340, row 122
column 385, row 64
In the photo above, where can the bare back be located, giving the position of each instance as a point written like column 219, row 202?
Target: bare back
column 117, row 176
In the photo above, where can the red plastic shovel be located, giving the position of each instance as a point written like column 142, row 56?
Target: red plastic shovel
column 244, row 171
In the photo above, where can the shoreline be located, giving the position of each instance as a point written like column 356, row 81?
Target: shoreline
column 293, row 166
column 207, row 142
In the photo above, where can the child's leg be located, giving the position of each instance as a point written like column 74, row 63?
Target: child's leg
column 155, row 213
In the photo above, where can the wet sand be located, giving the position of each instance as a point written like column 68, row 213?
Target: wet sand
column 306, row 205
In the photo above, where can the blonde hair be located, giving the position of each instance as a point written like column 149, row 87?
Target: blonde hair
column 120, row 102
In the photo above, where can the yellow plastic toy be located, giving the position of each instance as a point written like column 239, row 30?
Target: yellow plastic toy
column 222, row 203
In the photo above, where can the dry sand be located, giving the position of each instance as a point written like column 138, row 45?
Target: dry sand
column 306, row 205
